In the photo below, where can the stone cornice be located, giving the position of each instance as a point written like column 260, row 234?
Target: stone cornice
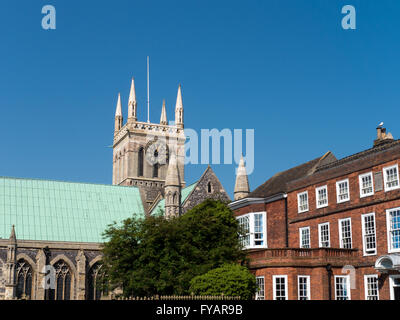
column 33, row 244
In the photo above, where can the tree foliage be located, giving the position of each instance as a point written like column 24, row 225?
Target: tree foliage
column 159, row 256
column 228, row 280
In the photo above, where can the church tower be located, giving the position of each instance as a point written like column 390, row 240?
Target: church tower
column 141, row 150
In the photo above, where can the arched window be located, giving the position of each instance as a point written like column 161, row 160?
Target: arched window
column 140, row 162
column 95, row 282
column 155, row 170
column 63, row 281
column 209, row 188
column 24, row 279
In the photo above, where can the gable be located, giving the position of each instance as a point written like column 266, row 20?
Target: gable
column 201, row 191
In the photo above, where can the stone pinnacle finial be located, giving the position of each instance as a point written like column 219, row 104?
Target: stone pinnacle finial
column 163, row 119
column 132, row 104
column 118, row 111
column 179, row 108
column 242, row 188
column 13, row 237
column 172, row 178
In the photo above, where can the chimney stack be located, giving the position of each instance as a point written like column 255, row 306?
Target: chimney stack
column 381, row 136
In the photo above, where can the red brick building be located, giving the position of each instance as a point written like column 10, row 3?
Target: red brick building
column 327, row 229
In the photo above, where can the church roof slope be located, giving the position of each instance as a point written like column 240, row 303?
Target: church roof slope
column 64, row 211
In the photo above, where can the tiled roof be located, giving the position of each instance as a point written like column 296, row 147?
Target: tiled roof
column 64, row 211
column 159, row 208
column 359, row 155
column 278, row 183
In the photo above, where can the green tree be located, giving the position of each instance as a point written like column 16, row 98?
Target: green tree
column 159, row 256
column 228, row 280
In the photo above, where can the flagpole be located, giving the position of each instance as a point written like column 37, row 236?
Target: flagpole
column 148, row 90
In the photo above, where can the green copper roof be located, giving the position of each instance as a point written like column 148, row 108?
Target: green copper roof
column 63, row 211
column 160, row 207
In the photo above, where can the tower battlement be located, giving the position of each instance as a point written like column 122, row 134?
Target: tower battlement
column 141, row 150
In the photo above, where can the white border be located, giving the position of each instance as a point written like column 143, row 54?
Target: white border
column 274, row 285
column 363, row 234
column 316, row 196
column 366, row 276
column 340, row 232
column 298, row 202
column 384, row 177
column 308, row 287
column 360, row 184
column 319, row 235
column 337, row 190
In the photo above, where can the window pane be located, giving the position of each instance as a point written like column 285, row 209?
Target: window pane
column 346, row 234
column 395, row 228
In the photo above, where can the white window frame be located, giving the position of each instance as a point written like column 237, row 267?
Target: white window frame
column 274, row 277
column 347, row 277
column 360, row 183
column 301, row 237
column 317, row 197
column 338, row 189
column 391, row 285
column 298, row 202
column 320, row 235
column 363, row 216
column 248, row 218
column 258, row 296
column 388, row 229
column 366, row 276
column 341, row 245
column 385, row 178
column 307, row 284
column 251, row 216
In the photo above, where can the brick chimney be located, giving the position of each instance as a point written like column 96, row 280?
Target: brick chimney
column 381, row 136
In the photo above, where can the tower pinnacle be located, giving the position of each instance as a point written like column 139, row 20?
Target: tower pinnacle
column 163, row 119
column 118, row 115
column 172, row 189
column 179, row 109
column 242, row 189
column 132, row 103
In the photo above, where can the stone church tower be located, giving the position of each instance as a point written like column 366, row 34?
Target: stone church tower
column 141, row 150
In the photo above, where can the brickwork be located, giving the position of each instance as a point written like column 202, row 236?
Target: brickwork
column 313, row 261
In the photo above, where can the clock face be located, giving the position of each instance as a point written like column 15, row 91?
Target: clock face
column 157, row 153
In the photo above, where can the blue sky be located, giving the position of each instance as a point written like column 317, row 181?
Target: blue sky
column 283, row 68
